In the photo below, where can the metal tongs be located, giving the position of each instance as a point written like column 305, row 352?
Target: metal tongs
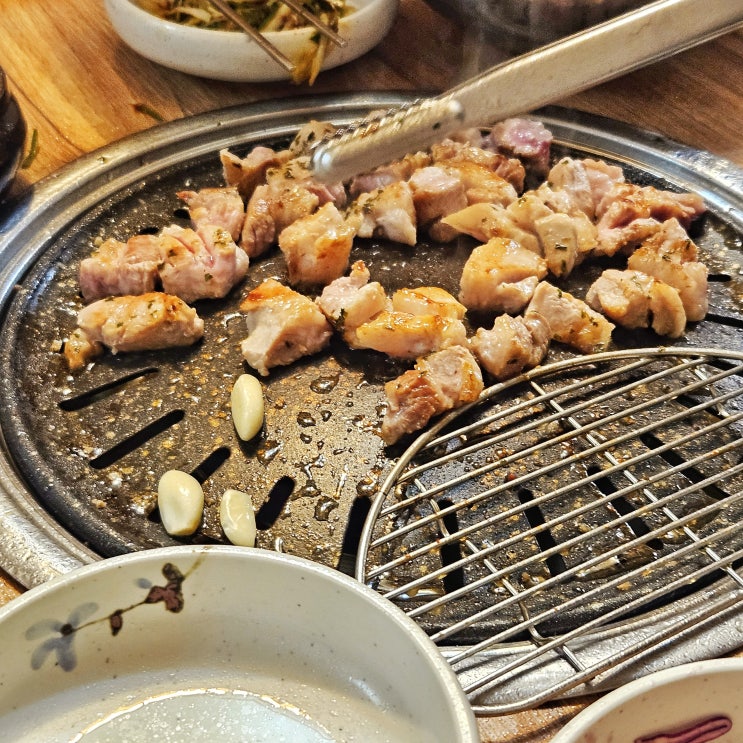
column 605, row 51
column 296, row 5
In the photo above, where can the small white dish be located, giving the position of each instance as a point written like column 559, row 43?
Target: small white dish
column 220, row 643
column 692, row 703
column 232, row 55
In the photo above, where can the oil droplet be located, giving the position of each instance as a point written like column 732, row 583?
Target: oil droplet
column 367, row 487
column 325, row 415
column 305, row 420
column 325, row 384
column 308, row 490
column 268, row 452
column 305, row 438
column 323, row 508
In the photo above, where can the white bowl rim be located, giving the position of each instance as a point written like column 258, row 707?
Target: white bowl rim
column 616, row 698
column 358, row 8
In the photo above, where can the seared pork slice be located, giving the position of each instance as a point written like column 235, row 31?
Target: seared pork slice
column 405, row 336
column 351, row 301
column 525, row 139
column 248, row 172
column 500, row 276
column 387, row 212
column 485, row 221
column 512, row 344
column 384, row 175
column 271, row 208
column 627, row 214
column 116, row 268
column 570, row 319
column 436, row 193
column 439, row 382
column 481, row 185
column 283, row 326
column 670, row 256
column 145, row 322
column 79, row 349
column 560, row 243
column 635, row 300
column 455, row 153
column 317, row 247
column 428, row 300
column 216, row 206
column 200, row 265
column 309, row 135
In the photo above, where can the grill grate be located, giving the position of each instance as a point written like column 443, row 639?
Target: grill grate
column 587, row 497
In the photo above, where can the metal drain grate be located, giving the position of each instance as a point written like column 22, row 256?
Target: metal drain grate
column 579, row 502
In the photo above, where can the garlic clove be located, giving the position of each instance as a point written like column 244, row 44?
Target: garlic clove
column 237, row 517
column 180, row 499
column 247, row 406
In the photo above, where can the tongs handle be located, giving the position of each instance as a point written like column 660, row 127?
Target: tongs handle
column 608, row 50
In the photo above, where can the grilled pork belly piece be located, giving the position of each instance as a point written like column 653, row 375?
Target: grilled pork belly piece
column 500, row 276
column 635, row 300
column 145, row 322
column 200, row 265
column 118, row 268
column 317, row 247
column 570, row 319
column 216, row 206
column 405, row 336
column 439, row 382
column 436, row 193
column 384, row 175
column 512, row 344
column 527, row 140
column 486, row 221
column 283, row 326
column 670, row 256
column 428, row 300
column 387, row 212
column 245, row 173
column 352, row 300
column 79, row 349
column 629, row 214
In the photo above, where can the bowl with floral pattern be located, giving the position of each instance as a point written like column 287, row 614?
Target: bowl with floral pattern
column 220, row 643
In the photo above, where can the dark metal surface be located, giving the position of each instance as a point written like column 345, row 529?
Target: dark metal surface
column 82, row 454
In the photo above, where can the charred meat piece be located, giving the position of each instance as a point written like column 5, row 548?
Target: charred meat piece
column 200, row 265
column 405, row 336
column 629, row 214
column 216, row 206
column 283, row 326
column 527, row 140
column 248, row 172
column 145, row 322
column 635, row 300
column 570, row 319
column 439, row 382
column 351, row 301
column 317, row 247
column 670, row 255
column 79, row 349
column 387, row 212
column 500, row 276
column 428, row 300
column 117, row 268
column 512, row 344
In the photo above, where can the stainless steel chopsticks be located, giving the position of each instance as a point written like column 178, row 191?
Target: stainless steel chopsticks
column 580, row 61
column 296, row 5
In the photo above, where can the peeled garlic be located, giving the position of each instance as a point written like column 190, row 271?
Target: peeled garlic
column 237, row 517
column 247, row 406
column 180, row 499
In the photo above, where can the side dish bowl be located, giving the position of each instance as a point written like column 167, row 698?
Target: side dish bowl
column 220, row 641
column 691, row 703
column 232, row 55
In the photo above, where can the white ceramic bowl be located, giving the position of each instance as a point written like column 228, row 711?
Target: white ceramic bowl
column 232, row 55
column 703, row 697
column 208, row 643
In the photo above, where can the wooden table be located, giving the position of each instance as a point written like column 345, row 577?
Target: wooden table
column 79, row 87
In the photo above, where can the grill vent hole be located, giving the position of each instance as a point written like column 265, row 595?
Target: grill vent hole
column 351, row 537
column 623, row 507
column 720, row 278
column 729, row 320
column 133, row 442
column 149, row 230
column 105, row 390
column 211, row 464
column 274, row 504
column 545, row 540
column 451, row 552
